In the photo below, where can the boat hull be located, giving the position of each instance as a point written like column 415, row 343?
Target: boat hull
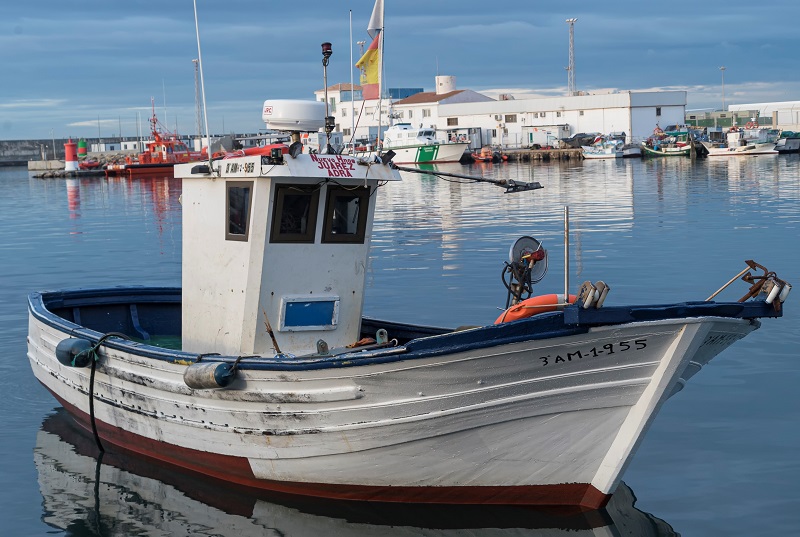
column 541, row 411
column 605, row 152
column 140, row 170
column 788, row 145
column 65, row 459
column 683, row 151
column 744, row 150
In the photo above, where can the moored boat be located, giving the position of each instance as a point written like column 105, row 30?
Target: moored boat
column 745, row 142
column 488, row 154
column 420, row 145
column 262, row 370
column 162, row 153
column 603, row 148
column 789, row 142
column 668, row 144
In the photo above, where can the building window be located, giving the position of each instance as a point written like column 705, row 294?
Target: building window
column 346, row 214
column 558, row 114
column 344, row 112
column 295, row 215
column 580, row 113
column 536, row 114
column 544, row 114
column 452, row 122
column 345, row 132
column 239, row 197
column 426, row 112
column 658, row 110
column 410, row 114
column 511, row 118
column 333, row 104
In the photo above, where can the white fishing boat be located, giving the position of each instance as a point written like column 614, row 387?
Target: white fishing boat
column 261, row 369
column 744, row 142
column 420, row 145
column 603, row 148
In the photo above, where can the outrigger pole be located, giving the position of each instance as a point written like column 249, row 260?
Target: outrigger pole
column 510, row 185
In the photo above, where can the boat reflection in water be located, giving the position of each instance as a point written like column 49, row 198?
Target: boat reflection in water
column 126, row 495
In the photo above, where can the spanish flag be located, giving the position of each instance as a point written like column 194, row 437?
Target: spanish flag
column 370, row 65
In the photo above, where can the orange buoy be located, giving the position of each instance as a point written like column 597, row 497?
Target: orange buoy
column 532, row 306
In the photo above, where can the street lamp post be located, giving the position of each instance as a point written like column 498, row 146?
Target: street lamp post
column 571, row 68
column 722, row 70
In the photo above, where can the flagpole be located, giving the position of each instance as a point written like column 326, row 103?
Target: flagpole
column 352, row 92
column 380, row 76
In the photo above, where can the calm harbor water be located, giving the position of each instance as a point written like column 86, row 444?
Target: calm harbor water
column 720, row 459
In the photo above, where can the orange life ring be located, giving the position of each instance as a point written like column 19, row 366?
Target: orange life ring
column 750, row 125
column 533, row 306
column 733, row 129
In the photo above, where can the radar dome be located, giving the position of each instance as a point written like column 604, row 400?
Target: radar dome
column 293, row 115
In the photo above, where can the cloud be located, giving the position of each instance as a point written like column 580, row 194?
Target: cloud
column 32, row 103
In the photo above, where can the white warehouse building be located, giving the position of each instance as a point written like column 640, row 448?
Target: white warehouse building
column 508, row 122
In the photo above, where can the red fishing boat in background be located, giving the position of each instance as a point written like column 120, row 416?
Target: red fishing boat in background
column 164, row 151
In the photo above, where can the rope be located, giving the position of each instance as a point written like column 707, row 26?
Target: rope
column 94, row 358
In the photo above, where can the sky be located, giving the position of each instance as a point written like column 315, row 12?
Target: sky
column 89, row 68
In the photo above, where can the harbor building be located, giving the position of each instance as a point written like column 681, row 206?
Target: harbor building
column 783, row 115
column 506, row 121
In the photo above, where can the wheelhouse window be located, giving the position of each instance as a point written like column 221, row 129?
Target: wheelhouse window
column 239, row 196
column 346, row 214
column 294, row 217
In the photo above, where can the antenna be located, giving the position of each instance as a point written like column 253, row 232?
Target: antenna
column 571, row 68
column 202, row 84
column 164, row 91
column 327, row 52
column 198, row 116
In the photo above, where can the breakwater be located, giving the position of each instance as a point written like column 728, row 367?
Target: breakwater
column 20, row 152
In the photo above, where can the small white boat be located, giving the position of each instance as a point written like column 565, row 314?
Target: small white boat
column 420, row 145
column 631, row 151
column 261, row 369
column 788, row 143
column 744, row 142
column 603, row 148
